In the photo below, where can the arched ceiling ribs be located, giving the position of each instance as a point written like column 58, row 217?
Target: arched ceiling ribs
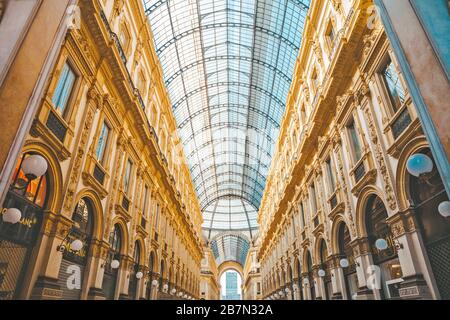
column 228, row 57
column 228, row 164
column 186, row 121
column 228, row 65
column 160, row 49
column 234, row 125
column 229, row 173
column 228, row 84
column 242, row 184
column 229, row 139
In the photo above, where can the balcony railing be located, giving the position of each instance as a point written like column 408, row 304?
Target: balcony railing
column 401, row 123
column 123, row 57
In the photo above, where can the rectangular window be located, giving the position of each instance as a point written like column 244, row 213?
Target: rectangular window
column 356, row 146
column 313, row 199
column 330, row 176
column 302, row 214
column 127, row 176
column 102, row 142
column 157, row 215
column 63, row 88
column 145, row 206
column 394, row 86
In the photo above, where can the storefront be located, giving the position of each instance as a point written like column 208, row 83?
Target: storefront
column 151, row 277
column 347, row 262
column 73, row 265
column 136, row 273
column 310, row 277
column 383, row 248
column 325, row 271
column 22, row 214
column 428, row 193
column 112, row 264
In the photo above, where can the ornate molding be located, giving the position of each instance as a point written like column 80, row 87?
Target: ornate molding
column 378, row 154
column 81, row 150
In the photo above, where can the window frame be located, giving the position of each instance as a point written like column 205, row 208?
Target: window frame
column 68, row 108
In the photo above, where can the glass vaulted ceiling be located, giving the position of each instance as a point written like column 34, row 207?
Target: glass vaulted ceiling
column 228, row 67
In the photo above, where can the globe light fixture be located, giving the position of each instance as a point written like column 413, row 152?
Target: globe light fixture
column 321, row 273
column 281, row 293
column 76, row 245
column 444, row 209
column 34, row 166
column 173, row 291
column 306, row 281
column 287, row 290
column 344, row 263
column 165, row 287
column 115, row 264
column 155, row 283
column 419, row 164
column 139, row 275
column 12, row 215
column 381, row 244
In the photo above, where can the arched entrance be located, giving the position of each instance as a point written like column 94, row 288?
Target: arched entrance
column 73, row 264
column 310, row 276
column 346, row 252
column 325, row 266
column 151, row 276
column 133, row 287
column 111, row 268
column 29, row 195
column 385, row 258
column 235, row 280
column 426, row 193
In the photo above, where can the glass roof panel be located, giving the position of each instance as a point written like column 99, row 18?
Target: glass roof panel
column 228, row 68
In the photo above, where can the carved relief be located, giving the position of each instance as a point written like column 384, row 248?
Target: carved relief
column 81, row 150
column 345, row 189
column 390, row 197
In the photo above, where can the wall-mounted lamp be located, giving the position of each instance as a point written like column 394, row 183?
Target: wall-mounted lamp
column 76, row 245
column 397, row 244
column 12, row 215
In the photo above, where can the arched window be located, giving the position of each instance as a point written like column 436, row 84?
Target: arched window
column 34, row 191
column 18, row 240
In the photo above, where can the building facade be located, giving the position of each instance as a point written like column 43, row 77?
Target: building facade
column 209, row 277
column 147, row 148
column 341, row 217
column 115, row 182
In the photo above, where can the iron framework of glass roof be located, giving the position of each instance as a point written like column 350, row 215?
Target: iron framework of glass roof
column 230, row 246
column 228, row 68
